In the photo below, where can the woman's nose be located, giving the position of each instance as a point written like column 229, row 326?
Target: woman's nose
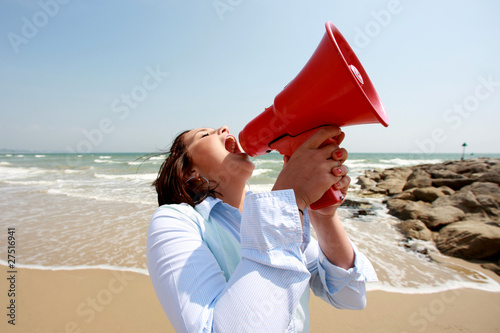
column 223, row 129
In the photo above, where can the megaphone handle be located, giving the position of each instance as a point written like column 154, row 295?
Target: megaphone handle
column 331, row 197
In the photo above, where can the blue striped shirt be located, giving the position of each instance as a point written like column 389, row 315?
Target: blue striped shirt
column 277, row 262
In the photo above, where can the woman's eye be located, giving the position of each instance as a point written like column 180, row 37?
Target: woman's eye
column 204, row 135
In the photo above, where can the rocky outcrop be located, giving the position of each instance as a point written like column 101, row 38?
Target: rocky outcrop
column 455, row 203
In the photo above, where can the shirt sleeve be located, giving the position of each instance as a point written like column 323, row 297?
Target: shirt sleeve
column 344, row 289
column 263, row 291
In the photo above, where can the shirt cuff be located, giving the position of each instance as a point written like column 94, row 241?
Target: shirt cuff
column 335, row 278
column 270, row 220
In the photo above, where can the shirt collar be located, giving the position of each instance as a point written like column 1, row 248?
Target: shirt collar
column 205, row 207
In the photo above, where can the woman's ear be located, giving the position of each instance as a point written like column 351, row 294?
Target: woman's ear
column 190, row 174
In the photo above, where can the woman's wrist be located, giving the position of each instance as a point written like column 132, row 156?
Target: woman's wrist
column 327, row 213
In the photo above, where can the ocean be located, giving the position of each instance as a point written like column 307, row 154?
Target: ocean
column 93, row 210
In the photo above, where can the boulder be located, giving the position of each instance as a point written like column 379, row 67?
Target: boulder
column 415, row 229
column 406, row 195
column 395, row 205
column 453, row 183
column 491, row 177
column 445, row 174
column 470, row 240
column 458, row 202
column 484, row 188
column 489, row 205
column 464, row 200
column 374, row 174
column 418, row 182
column 442, row 215
column 418, row 178
column 428, row 194
column 407, row 210
column 366, row 182
column 446, row 190
column 495, row 267
column 394, row 180
column 471, row 166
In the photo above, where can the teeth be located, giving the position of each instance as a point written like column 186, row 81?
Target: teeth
column 231, row 147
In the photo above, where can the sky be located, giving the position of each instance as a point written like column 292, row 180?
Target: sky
column 127, row 76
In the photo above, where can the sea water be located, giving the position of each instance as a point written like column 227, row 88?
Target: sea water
column 92, row 211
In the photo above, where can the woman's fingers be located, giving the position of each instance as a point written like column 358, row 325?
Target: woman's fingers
column 315, row 166
column 322, row 135
column 343, row 184
column 340, row 155
column 340, row 170
column 340, row 138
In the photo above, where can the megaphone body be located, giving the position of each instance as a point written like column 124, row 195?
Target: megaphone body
column 332, row 89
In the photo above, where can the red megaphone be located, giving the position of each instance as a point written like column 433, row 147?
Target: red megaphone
column 331, row 89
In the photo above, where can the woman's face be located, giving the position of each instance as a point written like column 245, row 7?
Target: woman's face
column 217, row 155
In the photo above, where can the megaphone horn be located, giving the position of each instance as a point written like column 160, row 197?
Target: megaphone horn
column 332, row 89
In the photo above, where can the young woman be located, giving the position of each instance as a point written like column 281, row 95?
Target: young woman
column 222, row 259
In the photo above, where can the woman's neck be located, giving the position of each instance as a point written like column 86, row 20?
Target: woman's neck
column 234, row 196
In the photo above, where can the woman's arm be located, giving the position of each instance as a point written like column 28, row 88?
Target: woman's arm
column 342, row 287
column 338, row 270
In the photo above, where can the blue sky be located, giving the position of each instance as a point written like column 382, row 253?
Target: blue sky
column 127, row 76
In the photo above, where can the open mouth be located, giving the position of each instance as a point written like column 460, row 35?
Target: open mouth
column 231, row 145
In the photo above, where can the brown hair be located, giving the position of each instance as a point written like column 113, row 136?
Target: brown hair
column 171, row 185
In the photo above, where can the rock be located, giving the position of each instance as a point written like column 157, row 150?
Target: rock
column 439, row 216
column 418, row 182
column 464, row 200
column 446, row 190
column 394, row 180
column 469, row 240
column 489, row 205
column 415, row 229
column 492, row 267
column 428, row 194
column 406, row 195
column 491, row 177
column 407, row 210
column 366, row 182
column 470, row 167
column 457, row 201
column 356, row 204
column 395, row 205
column 445, row 174
column 374, row 174
column 455, row 184
column 418, row 178
column 484, row 188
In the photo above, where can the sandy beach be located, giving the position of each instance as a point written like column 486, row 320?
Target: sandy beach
column 101, row 300
column 80, row 231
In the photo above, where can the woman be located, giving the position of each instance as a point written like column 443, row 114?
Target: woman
column 224, row 260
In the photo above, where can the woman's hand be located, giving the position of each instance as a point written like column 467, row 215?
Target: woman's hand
column 314, row 168
column 339, row 155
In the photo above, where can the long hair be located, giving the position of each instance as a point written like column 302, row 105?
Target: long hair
column 171, row 185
